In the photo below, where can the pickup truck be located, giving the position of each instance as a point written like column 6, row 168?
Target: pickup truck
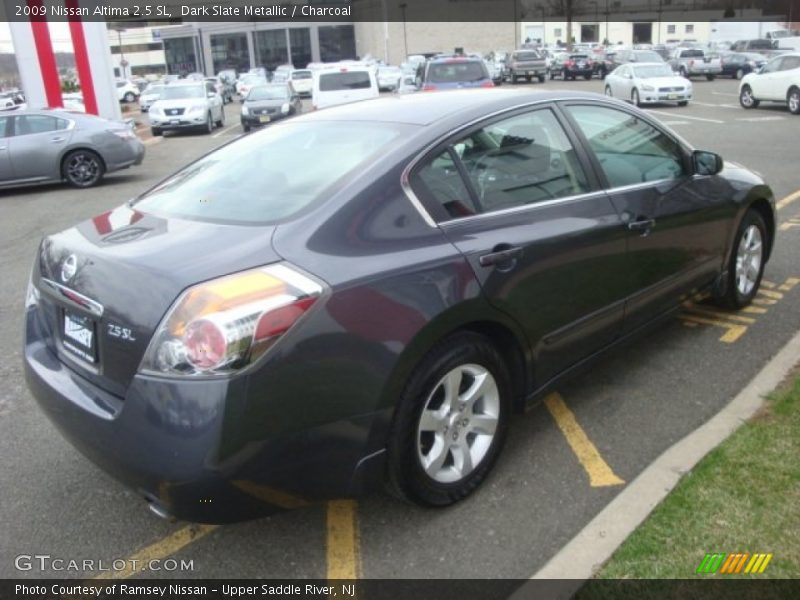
column 525, row 64
column 693, row 61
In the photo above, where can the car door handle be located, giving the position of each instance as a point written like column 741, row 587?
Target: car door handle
column 501, row 254
column 643, row 225
column 57, row 139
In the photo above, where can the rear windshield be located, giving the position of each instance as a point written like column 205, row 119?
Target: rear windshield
column 349, row 80
column 760, row 45
column 301, row 75
column 272, row 175
column 526, row 56
column 648, row 56
column 455, row 72
column 692, row 54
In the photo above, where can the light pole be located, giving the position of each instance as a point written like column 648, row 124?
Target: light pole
column 403, row 7
column 609, row 41
column 596, row 17
column 122, row 61
column 544, row 26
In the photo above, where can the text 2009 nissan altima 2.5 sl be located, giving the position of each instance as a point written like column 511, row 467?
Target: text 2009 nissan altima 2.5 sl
column 366, row 295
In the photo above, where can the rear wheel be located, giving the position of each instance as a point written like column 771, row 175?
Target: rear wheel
column 221, row 122
column 711, row 77
column 588, row 76
column 552, row 76
column 540, row 78
column 683, row 103
column 156, row 131
column 739, row 73
column 682, row 72
column 209, row 123
column 82, row 168
column 746, row 98
column 129, row 97
column 635, row 97
column 450, row 423
column 746, row 264
column 793, row 101
column 609, row 93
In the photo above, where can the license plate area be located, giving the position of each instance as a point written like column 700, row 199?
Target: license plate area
column 263, row 119
column 79, row 336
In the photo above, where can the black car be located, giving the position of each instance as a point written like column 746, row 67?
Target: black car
column 604, row 64
column 739, row 64
column 269, row 103
column 369, row 294
column 570, row 66
column 624, row 56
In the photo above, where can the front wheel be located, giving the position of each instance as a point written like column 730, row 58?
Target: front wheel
column 746, row 264
column 683, row 103
column 209, row 123
column 450, row 422
column 711, row 77
column 793, row 101
column 540, row 78
column 609, row 93
column 746, row 98
column 739, row 73
column 156, row 131
column 129, row 97
column 552, row 76
column 588, row 76
column 635, row 97
column 682, row 73
column 82, row 168
column 221, row 122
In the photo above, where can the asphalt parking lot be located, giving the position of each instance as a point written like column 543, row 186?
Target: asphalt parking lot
column 564, row 461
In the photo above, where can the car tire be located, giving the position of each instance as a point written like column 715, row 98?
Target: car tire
column 552, row 76
column 746, row 98
column 528, row 78
column 221, row 122
column 156, row 131
column 540, row 78
column 682, row 72
column 465, row 430
column 129, row 97
column 793, row 101
column 82, row 168
column 635, row 100
column 746, row 264
column 711, row 77
column 587, row 77
column 209, row 127
column 683, row 103
column 608, row 92
column 739, row 73
column 245, row 127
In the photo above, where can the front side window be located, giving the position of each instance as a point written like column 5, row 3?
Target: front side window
column 4, row 123
column 629, row 149
column 519, row 161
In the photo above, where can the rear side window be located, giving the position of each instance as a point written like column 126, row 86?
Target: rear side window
column 30, row 124
column 629, row 150
column 273, row 175
column 350, row 80
column 5, row 122
column 454, row 72
column 518, row 161
column 692, row 54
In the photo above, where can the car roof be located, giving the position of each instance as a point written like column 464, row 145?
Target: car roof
column 425, row 109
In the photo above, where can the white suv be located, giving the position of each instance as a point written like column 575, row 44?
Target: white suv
column 776, row 81
column 127, row 91
column 187, row 105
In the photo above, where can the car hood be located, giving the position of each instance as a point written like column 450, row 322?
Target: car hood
column 664, row 81
column 135, row 265
column 185, row 103
column 151, row 97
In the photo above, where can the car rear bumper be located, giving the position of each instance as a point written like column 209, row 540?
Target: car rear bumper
column 183, row 446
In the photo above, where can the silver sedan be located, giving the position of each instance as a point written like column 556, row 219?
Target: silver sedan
column 51, row 145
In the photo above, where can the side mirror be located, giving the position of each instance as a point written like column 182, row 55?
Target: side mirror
column 706, row 163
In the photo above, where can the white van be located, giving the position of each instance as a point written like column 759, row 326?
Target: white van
column 341, row 84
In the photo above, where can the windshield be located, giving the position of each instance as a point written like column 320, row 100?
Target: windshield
column 269, row 92
column 692, row 54
column 154, row 89
column 647, row 56
column 179, row 92
column 253, row 80
column 456, row 71
column 272, row 175
column 526, row 56
column 644, row 72
column 301, row 75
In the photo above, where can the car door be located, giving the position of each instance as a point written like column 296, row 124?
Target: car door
column 545, row 243
column 214, row 100
column 37, row 144
column 624, row 82
column 766, row 85
column 6, row 169
column 677, row 221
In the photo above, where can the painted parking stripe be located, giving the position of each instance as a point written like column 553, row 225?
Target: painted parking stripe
column 788, row 200
column 342, row 554
column 223, row 131
column 675, row 122
column 709, row 104
column 600, row 474
column 704, row 120
column 160, row 550
column 725, row 94
column 760, row 119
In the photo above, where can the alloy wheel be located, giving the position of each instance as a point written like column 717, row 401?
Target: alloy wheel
column 83, row 169
column 748, row 259
column 458, row 423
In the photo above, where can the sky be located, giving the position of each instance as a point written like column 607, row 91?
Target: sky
column 59, row 33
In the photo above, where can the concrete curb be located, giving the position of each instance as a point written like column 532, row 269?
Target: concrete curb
column 594, row 545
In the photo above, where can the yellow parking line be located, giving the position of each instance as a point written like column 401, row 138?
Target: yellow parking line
column 771, row 294
column 768, row 284
column 600, row 474
column 789, row 284
column 754, row 310
column 342, row 551
column 733, row 333
column 160, row 550
column 788, row 199
column 717, row 314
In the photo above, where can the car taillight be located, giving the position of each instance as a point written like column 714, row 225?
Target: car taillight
column 487, row 84
column 221, row 326
column 570, row 63
column 428, row 87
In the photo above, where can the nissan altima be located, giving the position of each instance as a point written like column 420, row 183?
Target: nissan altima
column 365, row 296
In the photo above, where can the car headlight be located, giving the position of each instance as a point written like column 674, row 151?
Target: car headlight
column 648, row 88
column 220, row 326
column 195, row 109
column 32, row 294
column 155, row 111
column 285, row 108
column 245, row 110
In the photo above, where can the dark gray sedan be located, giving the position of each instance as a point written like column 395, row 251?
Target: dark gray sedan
column 268, row 103
column 45, row 146
column 369, row 294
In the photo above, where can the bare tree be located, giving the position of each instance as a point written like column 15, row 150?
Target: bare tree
column 567, row 9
